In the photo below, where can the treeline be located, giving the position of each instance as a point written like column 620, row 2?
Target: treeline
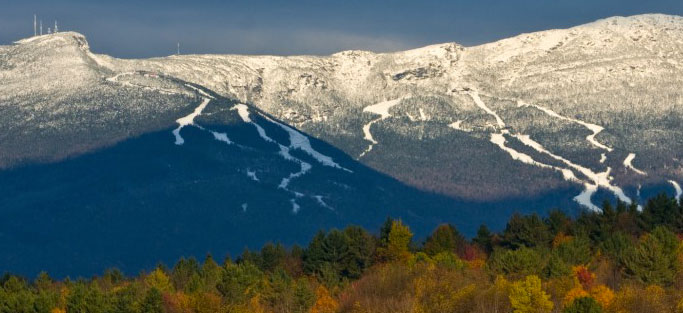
column 620, row 260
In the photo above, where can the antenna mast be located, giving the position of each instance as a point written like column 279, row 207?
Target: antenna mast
column 41, row 27
column 178, row 53
column 56, row 28
column 35, row 25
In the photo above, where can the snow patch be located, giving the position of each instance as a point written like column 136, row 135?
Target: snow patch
column 595, row 129
column 423, row 116
column 628, row 163
column 599, row 179
column 243, row 112
column 188, row 120
column 252, row 175
column 295, row 206
column 457, row 125
column 221, row 137
column 596, row 179
column 298, row 141
column 679, row 191
column 381, row 109
column 584, row 198
column 322, row 202
column 477, row 100
column 202, row 92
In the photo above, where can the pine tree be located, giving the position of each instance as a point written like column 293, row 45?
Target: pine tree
column 152, row 302
column 484, row 239
column 444, row 239
column 583, row 305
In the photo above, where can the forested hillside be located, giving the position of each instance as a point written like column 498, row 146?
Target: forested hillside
column 619, row 260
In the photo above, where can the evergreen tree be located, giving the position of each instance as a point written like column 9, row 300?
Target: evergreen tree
column 583, row 305
column 484, row 239
column 152, row 302
column 654, row 259
column 314, row 256
column 240, row 282
column 272, row 256
column 398, row 243
column 526, row 231
column 558, row 222
column 662, row 210
column 361, row 249
column 444, row 239
column 385, row 230
column 183, row 271
column 518, row 263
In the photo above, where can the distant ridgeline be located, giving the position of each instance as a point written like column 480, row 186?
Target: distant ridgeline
column 108, row 162
column 620, row 260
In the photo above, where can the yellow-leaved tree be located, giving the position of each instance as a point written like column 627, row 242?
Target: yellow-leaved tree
column 527, row 296
column 159, row 280
column 573, row 294
column 324, row 303
column 397, row 245
column 603, row 295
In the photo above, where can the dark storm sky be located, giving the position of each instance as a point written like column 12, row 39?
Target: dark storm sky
column 132, row 29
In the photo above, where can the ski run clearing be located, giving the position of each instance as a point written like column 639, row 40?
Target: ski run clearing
column 296, row 141
column 595, row 179
column 381, row 109
column 677, row 188
column 628, row 163
column 189, row 120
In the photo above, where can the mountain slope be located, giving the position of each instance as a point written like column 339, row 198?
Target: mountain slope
column 141, row 156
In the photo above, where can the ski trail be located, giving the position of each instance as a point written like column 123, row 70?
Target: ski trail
column 202, row 92
column 423, row 116
column 252, row 175
column 457, row 125
column 679, row 191
column 221, row 137
column 499, row 140
column 477, row 100
column 115, row 79
column 595, row 129
column 298, row 141
column 596, row 180
column 188, row 120
column 295, row 206
column 381, row 109
column 322, row 202
column 584, row 198
column 243, row 112
column 628, row 163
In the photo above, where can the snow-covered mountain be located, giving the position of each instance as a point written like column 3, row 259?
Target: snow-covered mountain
column 564, row 107
column 563, row 117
